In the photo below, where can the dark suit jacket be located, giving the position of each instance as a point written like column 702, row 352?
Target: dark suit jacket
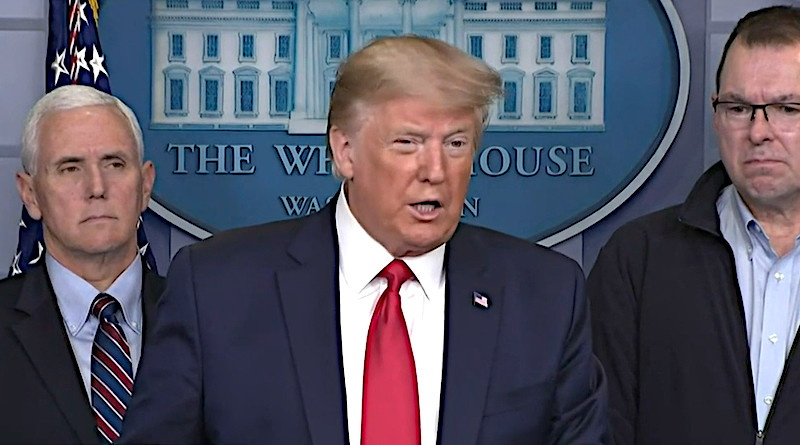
column 246, row 344
column 42, row 397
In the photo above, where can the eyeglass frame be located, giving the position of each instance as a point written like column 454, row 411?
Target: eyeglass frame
column 754, row 107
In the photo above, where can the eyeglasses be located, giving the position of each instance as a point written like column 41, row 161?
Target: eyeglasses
column 783, row 116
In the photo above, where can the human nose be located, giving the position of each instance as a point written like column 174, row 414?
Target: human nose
column 760, row 128
column 96, row 183
column 432, row 160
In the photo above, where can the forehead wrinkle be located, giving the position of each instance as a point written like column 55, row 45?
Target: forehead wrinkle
column 781, row 98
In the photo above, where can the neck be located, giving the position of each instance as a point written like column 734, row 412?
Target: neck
column 781, row 224
column 98, row 270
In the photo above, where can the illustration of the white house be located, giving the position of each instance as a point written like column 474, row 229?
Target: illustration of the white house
column 271, row 65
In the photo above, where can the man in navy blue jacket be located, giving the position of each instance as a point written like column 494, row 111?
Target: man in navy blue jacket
column 265, row 333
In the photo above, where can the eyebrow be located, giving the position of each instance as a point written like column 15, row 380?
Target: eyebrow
column 68, row 160
column 116, row 154
column 784, row 98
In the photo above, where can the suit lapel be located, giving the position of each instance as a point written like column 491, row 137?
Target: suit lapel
column 42, row 335
column 309, row 296
column 470, row 339
column 152, row 287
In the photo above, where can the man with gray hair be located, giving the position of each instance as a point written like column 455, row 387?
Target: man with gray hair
column 71, row 330
column 380, row 320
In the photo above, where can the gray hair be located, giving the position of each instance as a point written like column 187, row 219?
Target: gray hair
column 69, row 97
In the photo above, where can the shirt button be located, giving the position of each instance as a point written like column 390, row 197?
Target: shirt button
column 773, row 338
column 768, row 400
column 778, row 276
column 136, row 325
column 72, row 327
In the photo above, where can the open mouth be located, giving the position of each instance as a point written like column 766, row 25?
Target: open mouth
column 427, row 208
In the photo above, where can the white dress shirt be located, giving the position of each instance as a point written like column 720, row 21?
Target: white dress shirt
column 361, row 258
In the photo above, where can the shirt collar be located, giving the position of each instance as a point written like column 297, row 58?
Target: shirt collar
column 746, row 223
column 361, row 257
column 75, row 295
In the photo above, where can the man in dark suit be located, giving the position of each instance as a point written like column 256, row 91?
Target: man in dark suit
column 381, row 319
column 85, row 178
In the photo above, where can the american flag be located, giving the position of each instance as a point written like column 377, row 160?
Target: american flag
column 73, row 56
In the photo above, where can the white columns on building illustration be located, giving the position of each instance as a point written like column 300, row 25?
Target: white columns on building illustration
column 408, row 24
column 355, row 24
column 271, row 65
column 458, row 23
column 299, row 110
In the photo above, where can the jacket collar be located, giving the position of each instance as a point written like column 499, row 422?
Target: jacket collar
column 700, row 210
column 44, row 338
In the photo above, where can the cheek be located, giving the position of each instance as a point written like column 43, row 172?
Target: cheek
column 460, row 175
column 791, row 143
column 729, row 148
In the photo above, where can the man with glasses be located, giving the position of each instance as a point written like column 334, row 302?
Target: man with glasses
column 695, row 307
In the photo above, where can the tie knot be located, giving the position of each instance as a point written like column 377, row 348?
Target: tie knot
column 104, row 306
column 397, row 272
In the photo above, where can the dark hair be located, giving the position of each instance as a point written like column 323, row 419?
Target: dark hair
column 773, row 26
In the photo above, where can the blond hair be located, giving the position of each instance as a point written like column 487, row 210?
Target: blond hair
column 412, row 66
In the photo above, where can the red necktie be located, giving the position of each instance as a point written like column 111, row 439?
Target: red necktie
column 390, row 406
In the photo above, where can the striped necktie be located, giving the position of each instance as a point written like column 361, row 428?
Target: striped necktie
column 112, row 374
column 390, row 404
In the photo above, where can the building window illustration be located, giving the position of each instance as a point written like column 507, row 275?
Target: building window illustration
column 248, row 4
column 545, row 53
column 580, row 6
column 476, row 46
column 255, row 45
column 280, row 87
column 511, row 6
column 283, row 5
column 544, row 6
column 509, row 48
column 211, row 82
column 283, row 48
column 511, row 108
column 176, row 82
column 176, row 48
column 211, row 48
column 246, row 79
column 580, row 48
column 580, row 93
column 545, row 83
column 211, row 4
column 247, row 48
column 475, row 6
column 335, row 50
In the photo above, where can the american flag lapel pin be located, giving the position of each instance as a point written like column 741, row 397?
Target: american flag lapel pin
column 480, row 300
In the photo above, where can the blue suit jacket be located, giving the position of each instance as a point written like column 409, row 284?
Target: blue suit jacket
column 246, row 344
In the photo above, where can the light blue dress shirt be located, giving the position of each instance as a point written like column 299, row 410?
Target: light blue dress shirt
column 769, row 287
column 75, row 296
